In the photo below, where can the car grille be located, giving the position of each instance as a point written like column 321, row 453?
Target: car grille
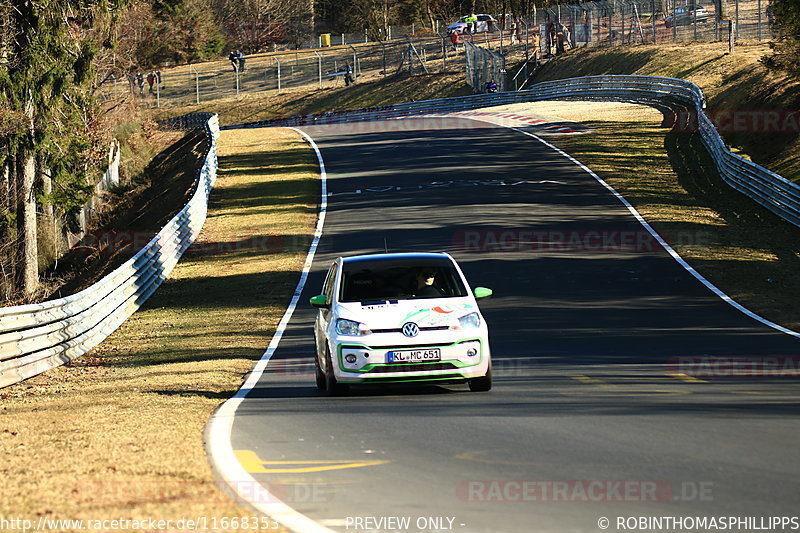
column 407, row 346
column 422, row 328
column 412, row 367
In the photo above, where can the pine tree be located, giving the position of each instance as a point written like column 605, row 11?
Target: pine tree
column 786, row 27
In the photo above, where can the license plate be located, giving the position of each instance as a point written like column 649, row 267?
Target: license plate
column 414, row 356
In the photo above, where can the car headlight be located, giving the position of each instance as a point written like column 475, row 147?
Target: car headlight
column 351, row 327
column 470, row 321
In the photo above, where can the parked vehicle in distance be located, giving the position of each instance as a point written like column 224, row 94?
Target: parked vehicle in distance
column 399, row 317
column 685, row 15
column 486, row 23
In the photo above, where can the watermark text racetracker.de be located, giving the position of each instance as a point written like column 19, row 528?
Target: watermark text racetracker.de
column 636, row 240
column 582, row 490
column 709, row 367
column 699, row 523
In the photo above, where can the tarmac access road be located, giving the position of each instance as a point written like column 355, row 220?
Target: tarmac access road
column 595, row 412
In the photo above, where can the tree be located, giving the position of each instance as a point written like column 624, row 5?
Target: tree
column 45, row 89
column 786, row 28
column 253, row 25
column 186, row 31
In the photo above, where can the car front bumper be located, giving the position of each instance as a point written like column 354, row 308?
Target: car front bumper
column 372, row 363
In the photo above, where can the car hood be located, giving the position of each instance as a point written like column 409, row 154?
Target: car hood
column 427, row 312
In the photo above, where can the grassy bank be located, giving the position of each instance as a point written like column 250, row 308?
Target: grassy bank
column 736, row 82
column 117, row 433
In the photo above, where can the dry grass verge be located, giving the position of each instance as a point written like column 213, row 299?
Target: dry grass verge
column 117, row 433
column 669, row 177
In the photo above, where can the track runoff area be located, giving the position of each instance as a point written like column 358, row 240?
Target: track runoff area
column 628, row 393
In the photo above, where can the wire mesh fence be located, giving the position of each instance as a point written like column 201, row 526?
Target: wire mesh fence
column 385, row 51
column 486, row 69
column 318, row 68
column 613, row 22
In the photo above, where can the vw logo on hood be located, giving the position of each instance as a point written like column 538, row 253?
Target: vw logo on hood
column 410, row 329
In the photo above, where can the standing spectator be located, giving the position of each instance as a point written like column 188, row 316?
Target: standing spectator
column 151, row 78
column 348, row 75
column 240, row 59
column 158, row 80
column 234, row 59
column 140, row 83
column 455, row 39
column 513, row 31
column 472, row 23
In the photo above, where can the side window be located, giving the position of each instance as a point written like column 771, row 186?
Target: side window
column 330, row 281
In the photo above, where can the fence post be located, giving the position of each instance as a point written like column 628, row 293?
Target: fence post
column 653, row 18
column 759, row 21
column 355, row 62
column 196, row 83
column 444, row 54
column 731, row 34
column 383, row 48
column 279, row 73
column 319, row 59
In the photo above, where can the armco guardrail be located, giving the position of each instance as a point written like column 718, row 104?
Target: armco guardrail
column 772, row 191
column 37, row 337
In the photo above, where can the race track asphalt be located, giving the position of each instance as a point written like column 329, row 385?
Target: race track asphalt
column 594, row 412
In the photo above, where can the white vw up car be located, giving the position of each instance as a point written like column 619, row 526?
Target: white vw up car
column 400, row 317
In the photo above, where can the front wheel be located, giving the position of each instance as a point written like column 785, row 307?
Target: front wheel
column 333, row 387
column 483, row 383
column 319, row 374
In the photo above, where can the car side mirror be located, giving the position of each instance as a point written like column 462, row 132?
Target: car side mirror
column 482, row 292
column 320, row 301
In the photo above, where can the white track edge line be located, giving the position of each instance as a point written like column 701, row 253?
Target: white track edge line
column 218, row 431
column 689, row 268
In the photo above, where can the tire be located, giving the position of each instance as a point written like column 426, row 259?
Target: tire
column 333, row 387
column 319, row 374
column 483, row 383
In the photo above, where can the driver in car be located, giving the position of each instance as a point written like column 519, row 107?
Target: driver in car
column 425, row 284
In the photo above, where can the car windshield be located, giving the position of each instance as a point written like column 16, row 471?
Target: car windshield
column 400, row 279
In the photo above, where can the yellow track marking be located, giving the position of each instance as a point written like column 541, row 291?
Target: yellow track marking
column 592, row 381
column 255, row 465
column 687, row 378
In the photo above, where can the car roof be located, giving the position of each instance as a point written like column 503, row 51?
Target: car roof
column 396, row 256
